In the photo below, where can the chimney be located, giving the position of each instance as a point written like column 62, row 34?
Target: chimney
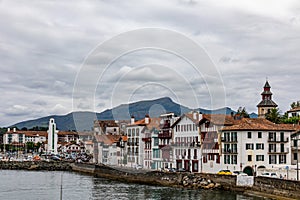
column 200, row 116
column 132, row 120
column 8, row 129
column 147, row 120
column 195, row 115
column 14, row 129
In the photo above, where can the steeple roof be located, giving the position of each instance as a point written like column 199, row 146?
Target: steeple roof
column 267, row 103
column 267, row 97
column 267, row 85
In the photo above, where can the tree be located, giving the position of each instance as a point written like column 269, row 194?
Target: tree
column 291, row 120
column 30, row 146
column 295, row 104
column 274, row 115
column 242, row 112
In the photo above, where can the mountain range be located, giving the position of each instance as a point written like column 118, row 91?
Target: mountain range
column 83, row 121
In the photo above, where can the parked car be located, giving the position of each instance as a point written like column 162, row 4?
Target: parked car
column 239, row 173
column 54, row 157
column 181, row 170
column 138, row 167
column 224, row 172
column 269, row 174
column 172, row 170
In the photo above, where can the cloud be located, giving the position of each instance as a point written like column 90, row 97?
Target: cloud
column 43, row 45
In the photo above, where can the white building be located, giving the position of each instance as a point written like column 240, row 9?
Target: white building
column 22, row 137
column 165, row 137
column 135, row 146
column 186, row 143
column 151, row 128
column 256, row 143
column 210, row 125
column 110, row 150
column 295, row 112
column 52, row 137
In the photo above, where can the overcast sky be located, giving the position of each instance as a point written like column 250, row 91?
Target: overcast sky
column 48, row 47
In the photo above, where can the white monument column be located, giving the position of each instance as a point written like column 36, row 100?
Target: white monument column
column 52, row 137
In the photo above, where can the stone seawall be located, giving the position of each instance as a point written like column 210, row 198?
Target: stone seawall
column 36, row 165
column 278, row 187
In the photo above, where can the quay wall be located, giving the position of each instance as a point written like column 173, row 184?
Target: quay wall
column 36, row 165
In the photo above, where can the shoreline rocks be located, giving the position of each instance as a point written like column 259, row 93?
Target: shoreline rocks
column 198, row 182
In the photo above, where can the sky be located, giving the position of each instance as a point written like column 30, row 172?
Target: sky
column 60, row 56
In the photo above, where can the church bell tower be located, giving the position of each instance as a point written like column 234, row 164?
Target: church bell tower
column 266, row 103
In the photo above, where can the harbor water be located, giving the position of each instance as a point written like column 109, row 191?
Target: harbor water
column 46, row 185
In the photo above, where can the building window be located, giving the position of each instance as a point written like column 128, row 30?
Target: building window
column 227, row 159
column 259, row 135
column 20, row 138
column 295, row 156
column 249, row 135
column 137, row 132
column 233, row 136
column 226, row 137
column 195, row 166
column 218, row 159
column 272, row 136
column 282, row 159
column 234, row 159
column 259, row 157
column 259, row 146
column 272, row 159
column 249, row 146
column 205, row 159
column 249, row 158
column 129, row 132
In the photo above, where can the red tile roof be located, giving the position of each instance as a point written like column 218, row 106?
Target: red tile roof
column 259, row 124
column 30, row 133
column 67, row 133
column 218, row 119
column 109, row 139
column 294, row 109
column 154, row 123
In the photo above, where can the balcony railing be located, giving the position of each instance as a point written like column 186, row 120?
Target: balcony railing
column 278, row 151
column 281, row 140
column 229, row 151
column 229, row 140
column 146, row 139
column 165, row 135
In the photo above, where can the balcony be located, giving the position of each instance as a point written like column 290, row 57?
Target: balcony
column 229, row 151
column 294, row 148
column 164, row 146
column 228, row 140
column 276, row 151
column 165, row 135
column 146, row 139
column 275, row 140
column 195, row 144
